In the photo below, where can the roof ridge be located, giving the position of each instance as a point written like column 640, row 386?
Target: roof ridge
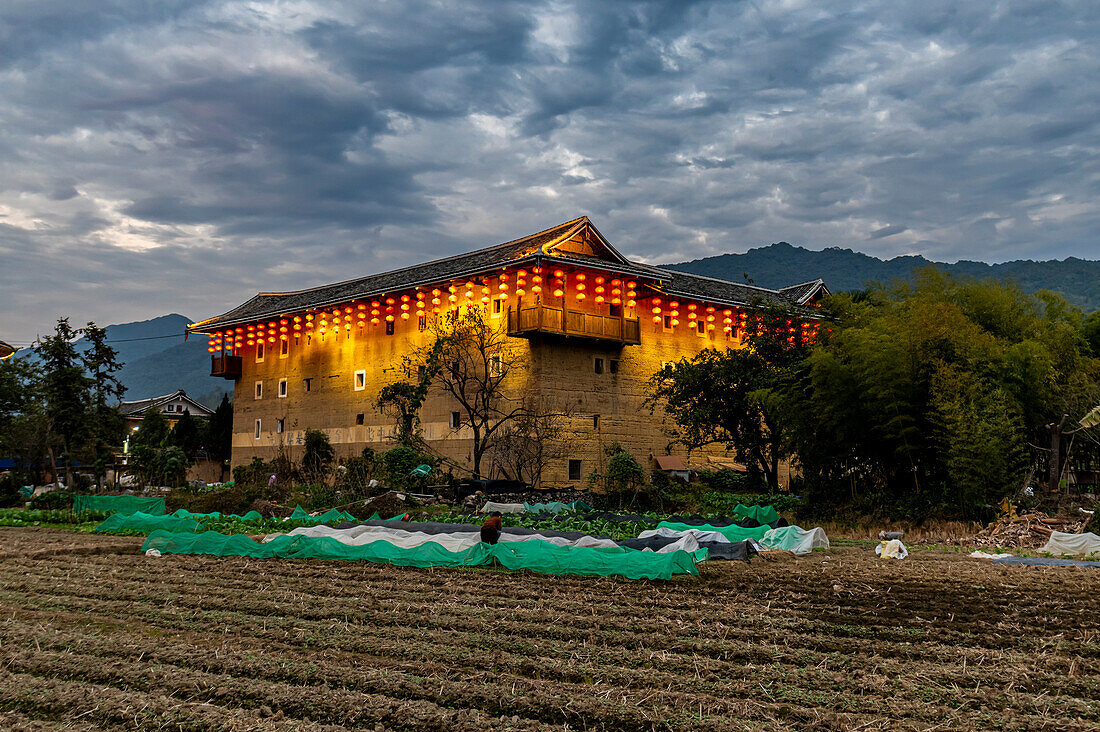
column 719, row 279
column 472, row 252
column 802, row 284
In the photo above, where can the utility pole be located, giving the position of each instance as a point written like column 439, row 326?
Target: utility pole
column 1055, row 452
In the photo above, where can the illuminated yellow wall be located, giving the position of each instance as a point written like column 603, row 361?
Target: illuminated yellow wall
column 559, row 372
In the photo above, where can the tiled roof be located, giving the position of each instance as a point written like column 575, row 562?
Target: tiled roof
column 266, row 305
column 516, row 252
column 723, row 292
column 801, row 293
column 138, row 407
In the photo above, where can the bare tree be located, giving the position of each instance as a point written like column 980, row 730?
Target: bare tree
column 472, row 359
column 528, row 444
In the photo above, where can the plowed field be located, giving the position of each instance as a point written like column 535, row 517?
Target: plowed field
column 94, row 635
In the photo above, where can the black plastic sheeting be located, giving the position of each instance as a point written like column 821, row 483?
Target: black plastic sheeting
column 1046, row 562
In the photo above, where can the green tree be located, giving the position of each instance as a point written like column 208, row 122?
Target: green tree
column 927, row 394
column 65, row 391
column 153, row 430
column 624, row 475
column 402, row 400
column 735, row 397
column 24, row 426
column 317, row 457
column 1092, row 332
column 106, row 426
column 188, row 435
column 219, row 443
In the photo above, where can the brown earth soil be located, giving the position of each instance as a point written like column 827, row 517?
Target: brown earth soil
column 839, row 640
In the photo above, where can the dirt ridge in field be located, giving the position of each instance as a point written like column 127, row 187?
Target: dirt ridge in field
column 99, row 639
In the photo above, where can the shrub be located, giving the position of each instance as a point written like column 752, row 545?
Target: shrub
column 53, row 500
column 356, row 474
column 723, row 480
column 399, row 462
column 9, row 491
column 317, row 456
column 256, row 473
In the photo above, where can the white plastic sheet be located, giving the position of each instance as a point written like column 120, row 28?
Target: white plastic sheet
column 986, row 555
column 490, row 506
column 459, row 540
column 1073, row 544
column 698, row 534
column 796, row 539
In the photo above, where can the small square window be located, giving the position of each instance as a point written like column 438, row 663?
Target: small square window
column 495, row 366
column 421, row 370
column 456, row 420
column 257, row 429
column 308, row 383
column 595, row 421
column 282, row 388
column 259, row 390
column 497, row 306
column 389, row 327
column 613, row 366
column 359, row 418
column 700, row 327
column 575, row 469
column 616, row 310
column 668, row 322
column 284, row 348
column 259, row 351
column 279, row 424
column 422, row 323
column 599, row 365
column 360, row 380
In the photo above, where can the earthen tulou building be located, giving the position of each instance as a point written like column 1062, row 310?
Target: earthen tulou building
column 586, row 327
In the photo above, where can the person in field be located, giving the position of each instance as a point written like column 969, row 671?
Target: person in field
column 490, row 530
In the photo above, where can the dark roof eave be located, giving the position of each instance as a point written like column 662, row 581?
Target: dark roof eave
column 776, row 300
column 221, row 321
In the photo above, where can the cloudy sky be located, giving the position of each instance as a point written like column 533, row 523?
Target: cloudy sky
column 178, row 155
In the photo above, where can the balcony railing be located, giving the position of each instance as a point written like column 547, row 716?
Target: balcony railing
column 225, row 366
column 576, row 323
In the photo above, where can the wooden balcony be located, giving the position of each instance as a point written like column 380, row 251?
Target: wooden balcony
column 227, row 367
column 540, row 319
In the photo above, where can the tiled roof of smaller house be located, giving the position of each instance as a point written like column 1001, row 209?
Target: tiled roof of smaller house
column 137, row 408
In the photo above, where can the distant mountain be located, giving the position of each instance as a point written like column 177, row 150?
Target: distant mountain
column 158, row 361
column 779, row 265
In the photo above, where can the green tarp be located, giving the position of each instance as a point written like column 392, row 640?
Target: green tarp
column 556, row 507
column 300, row 514
column 733, row 533
column 146, row 523
column 537, row 556
column 125, row 505
column 763, row 514
column 184, row 513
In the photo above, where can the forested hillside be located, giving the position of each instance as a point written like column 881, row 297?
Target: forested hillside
column 782, row 264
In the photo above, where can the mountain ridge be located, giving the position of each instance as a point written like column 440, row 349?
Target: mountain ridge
column 782, row 264
column 157, row 359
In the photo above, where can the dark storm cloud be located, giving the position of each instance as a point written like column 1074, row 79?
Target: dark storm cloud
column 182, row 155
